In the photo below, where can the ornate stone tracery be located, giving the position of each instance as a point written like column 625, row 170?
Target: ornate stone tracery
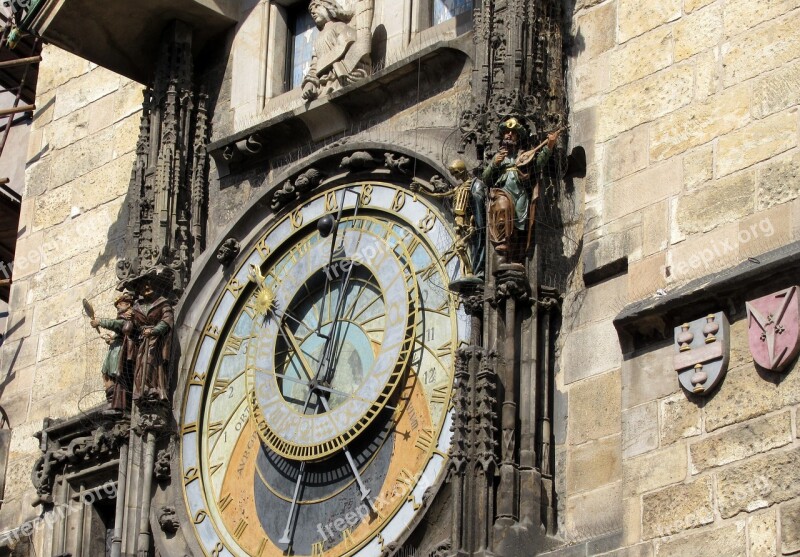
column 168, row 189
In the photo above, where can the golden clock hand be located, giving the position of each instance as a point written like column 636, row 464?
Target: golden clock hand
column 289, row 337
column 325, row 226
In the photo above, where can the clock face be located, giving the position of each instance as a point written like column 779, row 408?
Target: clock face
column 318, row 408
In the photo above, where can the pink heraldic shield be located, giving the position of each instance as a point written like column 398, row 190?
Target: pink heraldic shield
column 774, row 329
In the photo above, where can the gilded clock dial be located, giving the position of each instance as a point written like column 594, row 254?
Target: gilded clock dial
column 322, row 364
column 315, row 426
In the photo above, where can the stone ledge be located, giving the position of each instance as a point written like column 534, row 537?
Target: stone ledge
column 642, row 322
column 332, row 115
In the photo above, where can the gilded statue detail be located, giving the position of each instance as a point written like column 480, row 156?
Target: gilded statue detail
column 468, row 199
column 342, row 49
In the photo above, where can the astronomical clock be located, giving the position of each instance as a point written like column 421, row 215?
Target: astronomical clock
column 317, row 408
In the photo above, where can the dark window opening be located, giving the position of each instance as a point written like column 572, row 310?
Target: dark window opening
column 302, row 33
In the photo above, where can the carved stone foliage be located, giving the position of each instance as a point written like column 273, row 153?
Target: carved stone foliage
column 475, row 419
column 702, row 352
column 167, row 195
column 153, row 417
column 512, row 282
column 463, row 417
column 485, row 446
column 81, row 450
column 343, row 46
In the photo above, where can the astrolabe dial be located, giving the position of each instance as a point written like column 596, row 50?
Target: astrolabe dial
column 323, row 363
column 314, row 423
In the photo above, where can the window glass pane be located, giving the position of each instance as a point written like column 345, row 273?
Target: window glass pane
column 447, row 9
column 303, row 35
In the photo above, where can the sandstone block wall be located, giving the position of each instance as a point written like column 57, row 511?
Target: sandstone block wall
column 688, row 113
column 80, row 156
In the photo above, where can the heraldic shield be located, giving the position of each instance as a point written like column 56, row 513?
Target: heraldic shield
column 702, row 352
column 774, row 329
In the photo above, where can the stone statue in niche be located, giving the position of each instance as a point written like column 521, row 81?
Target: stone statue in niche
column 118, row 364
column 154, row 321
column 343, row 47
column 512, row 200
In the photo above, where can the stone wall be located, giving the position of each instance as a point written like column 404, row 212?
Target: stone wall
column 725, row 465
column 73, row 217
column 687, row 110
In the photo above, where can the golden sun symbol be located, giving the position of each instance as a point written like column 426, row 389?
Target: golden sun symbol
column 264, row 302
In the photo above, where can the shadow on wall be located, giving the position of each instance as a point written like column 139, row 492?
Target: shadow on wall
column 115, row 245
column 573, row 44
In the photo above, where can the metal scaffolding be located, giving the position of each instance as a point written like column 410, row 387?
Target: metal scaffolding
column 20, row 55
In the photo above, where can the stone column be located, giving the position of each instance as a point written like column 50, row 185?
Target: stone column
column 511, row 287
column 119, row 511
column 151, row 421
column 548, row 303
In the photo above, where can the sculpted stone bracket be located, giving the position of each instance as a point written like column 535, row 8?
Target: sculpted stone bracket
column 774, row 328
column 376, row 163
column 79, row 443
column 702, row 353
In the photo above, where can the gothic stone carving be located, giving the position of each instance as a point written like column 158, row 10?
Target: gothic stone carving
column 153, row 416
column 293, row 190
column 512, row 282
column 399, row 163
column 228, row 251
column 167, row 195
column 101, row 444
column 359, row 160
column 342, row 48
column 702, row 351
column 168, row 520
column 774, row 325
column 163, row 465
